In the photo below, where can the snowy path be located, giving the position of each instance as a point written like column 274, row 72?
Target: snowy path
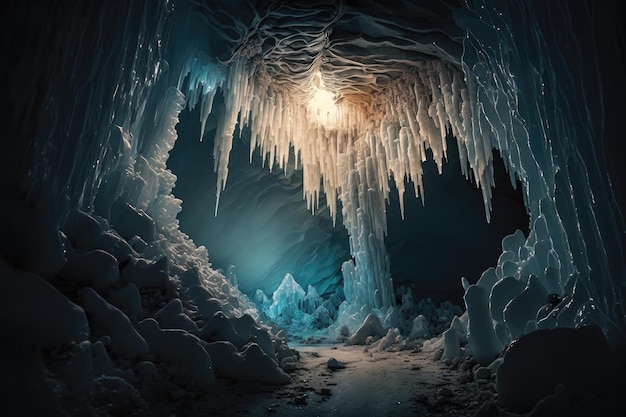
column 371, row 384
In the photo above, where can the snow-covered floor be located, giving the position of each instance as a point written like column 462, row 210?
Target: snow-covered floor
column 371, row 384
column 387, row 383
column 404, row 383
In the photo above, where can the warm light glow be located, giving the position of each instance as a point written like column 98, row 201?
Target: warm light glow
column 322, row 103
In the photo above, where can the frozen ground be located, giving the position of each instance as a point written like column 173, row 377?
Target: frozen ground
column 398, row 384
column 404, row 383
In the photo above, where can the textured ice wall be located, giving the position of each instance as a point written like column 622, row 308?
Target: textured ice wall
column 78, row 110
column 97, row 118
column 536, row 85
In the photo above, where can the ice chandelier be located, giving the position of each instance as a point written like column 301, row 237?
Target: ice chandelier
column 382, row 123
column 352, row 153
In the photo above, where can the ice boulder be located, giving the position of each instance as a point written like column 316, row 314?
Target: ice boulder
column 260, row 363
column 172, row 316
column 128, row 299
column 31, row 238
column 26, row 388
column 220, row 327
column 115, row 396
column 102, row 364
column 145, row 273
column 34, row 312
column 207, row 304
column 451, row 344
column 82, row 230
column 393, row 336
column 482, row 338
column 419, row 330
column 190, row 277
column 97, row 269
column 580, row 359
column 74, row 367
column 126, row 340
column 116, row 246
column 243, row 326
column 247, row 330
column 261, row 336
column 226, row 358
column 250, row 364
column 181, row 348
column 371, row 327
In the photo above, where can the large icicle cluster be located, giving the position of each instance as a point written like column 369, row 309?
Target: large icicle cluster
column 352, row 156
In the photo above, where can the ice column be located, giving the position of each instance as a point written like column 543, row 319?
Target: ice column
column 364, row 215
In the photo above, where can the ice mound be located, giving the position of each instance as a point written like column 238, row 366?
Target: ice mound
column 287, row 300
column 301, row 314
column 116, row 310
column 371, row 327
column 580, row 359
column 56, row 320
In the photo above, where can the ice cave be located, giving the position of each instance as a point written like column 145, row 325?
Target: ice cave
column 313, row 207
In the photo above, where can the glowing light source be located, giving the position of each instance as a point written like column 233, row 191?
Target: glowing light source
column 323, row 103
